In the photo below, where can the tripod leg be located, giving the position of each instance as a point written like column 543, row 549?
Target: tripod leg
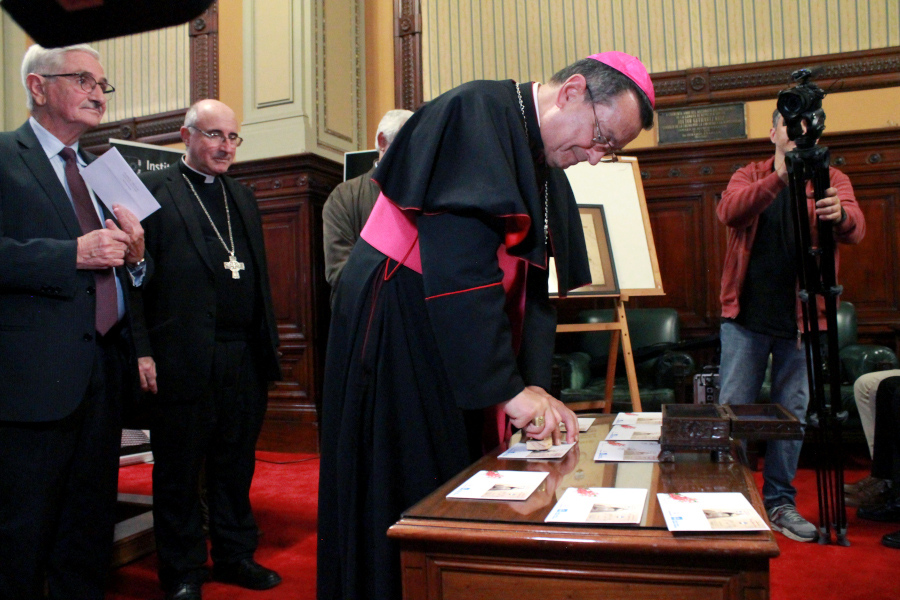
column 817, row 278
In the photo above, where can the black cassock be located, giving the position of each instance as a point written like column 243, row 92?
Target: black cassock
column 415, row 359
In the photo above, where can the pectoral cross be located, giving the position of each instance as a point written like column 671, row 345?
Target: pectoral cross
column 234, row 266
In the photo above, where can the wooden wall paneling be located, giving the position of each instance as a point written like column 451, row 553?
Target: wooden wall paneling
column 675, row 177
column 677, row 226
column 862, row 266
column 291, row 191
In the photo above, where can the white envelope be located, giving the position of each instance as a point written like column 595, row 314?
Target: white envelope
column 115, row 183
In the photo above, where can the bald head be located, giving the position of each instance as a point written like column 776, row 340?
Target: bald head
column 205, row 107
column 209, row 132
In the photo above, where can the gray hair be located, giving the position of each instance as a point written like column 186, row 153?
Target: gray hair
column 775, row 116
column 606, row 83
column 391, row 123
column 190, row 117
column 39, row 60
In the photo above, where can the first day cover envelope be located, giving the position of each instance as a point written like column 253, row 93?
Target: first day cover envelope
column 710, row 511
column 610, row 506
column 520, row 451
column 499, row 485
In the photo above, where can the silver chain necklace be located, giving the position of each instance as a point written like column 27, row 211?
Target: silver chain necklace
column 546, row 194
column 232, row 265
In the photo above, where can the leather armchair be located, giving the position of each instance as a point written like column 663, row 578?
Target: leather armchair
column 661, row 368
column 856, row 359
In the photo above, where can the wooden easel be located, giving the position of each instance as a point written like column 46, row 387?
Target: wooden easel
column 618, row 329
column 634, row 259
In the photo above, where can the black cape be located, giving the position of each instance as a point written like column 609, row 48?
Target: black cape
column 413, row 359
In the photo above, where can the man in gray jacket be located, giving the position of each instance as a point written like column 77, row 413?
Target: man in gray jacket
column 349, row 205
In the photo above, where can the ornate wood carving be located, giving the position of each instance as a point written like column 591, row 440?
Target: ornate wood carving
column 694, row 427
column 291, row 191
column 162, row 128
column 204, row 37
column 866, row 69
column 408, row 54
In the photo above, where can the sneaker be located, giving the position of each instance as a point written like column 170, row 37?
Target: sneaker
column 788, row 521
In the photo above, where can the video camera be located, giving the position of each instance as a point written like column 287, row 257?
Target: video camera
column 802, row 104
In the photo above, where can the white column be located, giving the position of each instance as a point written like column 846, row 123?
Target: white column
column 304, row 78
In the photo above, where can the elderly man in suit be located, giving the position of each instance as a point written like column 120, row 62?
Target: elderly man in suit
column 65, row 349
column 206, row 337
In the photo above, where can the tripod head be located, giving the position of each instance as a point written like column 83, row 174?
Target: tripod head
column 801, row 106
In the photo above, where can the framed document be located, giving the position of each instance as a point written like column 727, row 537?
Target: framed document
column 603, row 271
column 599, row 252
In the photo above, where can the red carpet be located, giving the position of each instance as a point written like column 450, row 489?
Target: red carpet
column 865, row 570
column 284, row 498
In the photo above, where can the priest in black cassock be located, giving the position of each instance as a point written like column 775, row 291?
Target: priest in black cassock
column 206, row 339
column 442, row 333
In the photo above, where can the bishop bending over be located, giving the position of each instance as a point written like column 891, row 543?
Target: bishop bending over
column 206, row 337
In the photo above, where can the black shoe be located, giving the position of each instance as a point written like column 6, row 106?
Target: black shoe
column 891, row 540
column 184, row 591
column 889, row 512
column 246, row 573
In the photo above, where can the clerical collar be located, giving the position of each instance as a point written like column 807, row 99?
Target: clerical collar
column 534, row 91
column 202, row 176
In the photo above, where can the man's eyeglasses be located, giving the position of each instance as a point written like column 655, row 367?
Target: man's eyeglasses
column 220, row 137
column 599, row 139
column 86, row 81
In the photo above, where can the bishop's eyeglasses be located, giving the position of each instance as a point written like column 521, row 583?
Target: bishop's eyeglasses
column 599, row 139
column 219, row 137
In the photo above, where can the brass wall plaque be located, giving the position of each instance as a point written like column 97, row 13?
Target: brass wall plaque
column 701, row 124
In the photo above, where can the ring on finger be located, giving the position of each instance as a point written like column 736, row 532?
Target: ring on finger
column 538, row 421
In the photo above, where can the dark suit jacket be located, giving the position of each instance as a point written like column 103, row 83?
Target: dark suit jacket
column 175, row 312
column 47, row 344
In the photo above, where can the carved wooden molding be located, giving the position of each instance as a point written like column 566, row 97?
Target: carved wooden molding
column 163, row 128
column 407, row 54
column 204, row 37
column 287, row 175
column 866, row 69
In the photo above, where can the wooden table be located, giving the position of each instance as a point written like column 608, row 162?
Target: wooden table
column 472, row 550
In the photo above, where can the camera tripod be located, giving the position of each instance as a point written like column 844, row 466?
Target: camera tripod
column 817, row 278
